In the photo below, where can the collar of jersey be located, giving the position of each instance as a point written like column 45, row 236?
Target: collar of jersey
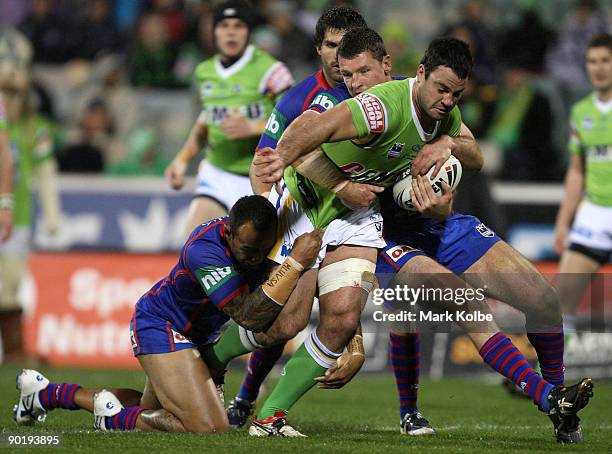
column 415, row 118
column 233, row 69
column 603, row 106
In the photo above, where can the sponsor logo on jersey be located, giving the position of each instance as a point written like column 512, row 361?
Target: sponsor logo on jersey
column 236, row 89
column 417, row 147
column 599, row 153
column 213, row 277
column 484, row 230
column 206, row 90
column 355, row 171
column 395, row 151
column 323, row 102
column 273, row 125
column 397, row 252
column 587, row 123
column 374, row 111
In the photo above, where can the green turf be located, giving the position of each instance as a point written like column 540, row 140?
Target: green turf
column 468, row 417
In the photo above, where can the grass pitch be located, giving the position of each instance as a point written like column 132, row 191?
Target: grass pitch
column 468, row 416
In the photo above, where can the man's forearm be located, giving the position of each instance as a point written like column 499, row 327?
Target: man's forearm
column 466, row 149
column 318, row 168
column 574, row 188
column 195, row 142
column 6, row 166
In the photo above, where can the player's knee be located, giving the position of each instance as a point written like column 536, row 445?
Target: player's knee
column 342, row 322
column 206, row 424
column 549, row 300
column 289, row 330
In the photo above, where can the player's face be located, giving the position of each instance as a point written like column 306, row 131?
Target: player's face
column 231, row 37
column 599, row 67
column 327, row 52
column 250, row 247
column 439, row 93
column 364, row 71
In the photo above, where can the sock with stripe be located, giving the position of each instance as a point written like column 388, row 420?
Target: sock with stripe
column 311, row 360
column 550, row 348
column 260, row 364
column 59, row 396
column 124, row 420
column 404, row 353
column 502, row 356
column 235, row 341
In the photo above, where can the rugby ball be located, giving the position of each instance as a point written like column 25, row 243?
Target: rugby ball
column 450, row 173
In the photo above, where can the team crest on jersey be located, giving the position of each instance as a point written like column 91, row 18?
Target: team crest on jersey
column 587, row 123
column 236, row 89
column 484, row 230
column 178, row 338
column 395, row 151
column 206, row 90
column 374, row 111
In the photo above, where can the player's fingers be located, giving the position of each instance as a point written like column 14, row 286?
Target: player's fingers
column 438, row 166
column 375, row 189
column 425, row 190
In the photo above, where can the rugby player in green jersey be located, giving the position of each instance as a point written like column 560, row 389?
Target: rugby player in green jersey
column 432, row 97
column 6, row 179
column 238, row 89
column 588, row 184
column 31, row 142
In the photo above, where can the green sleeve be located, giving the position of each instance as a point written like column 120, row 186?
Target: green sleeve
column 358, row 116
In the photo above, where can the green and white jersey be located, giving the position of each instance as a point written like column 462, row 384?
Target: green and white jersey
column 386, row 119
column 250, row 88
column 591, row 138
column 31, row 141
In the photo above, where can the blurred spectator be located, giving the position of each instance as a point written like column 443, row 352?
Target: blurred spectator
column 565, row 61
column 522, row 125
column 172, row 13
column 87, row 145
column 108, row 83
column 197, row 48
column 143, row 155
column 400, row 46
column 473, row 29
column 95, row 33
column 528, row 40
column 46, row 32
column 153, row 57
column 294, row 46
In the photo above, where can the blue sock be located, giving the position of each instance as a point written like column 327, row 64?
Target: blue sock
column 59, row 396
column 260, row 364
column 405, row 355
column 125, row 419
column 550, row 348
column 502, row 356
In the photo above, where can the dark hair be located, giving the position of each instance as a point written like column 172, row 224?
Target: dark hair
column 234, row 9
column 359, row 40
column 450, row 52
column 601, row 40
column 256, row 210
column 337, row 18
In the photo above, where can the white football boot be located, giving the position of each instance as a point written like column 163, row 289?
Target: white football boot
column 29, row 409
column 274, row 426
column 105, row 404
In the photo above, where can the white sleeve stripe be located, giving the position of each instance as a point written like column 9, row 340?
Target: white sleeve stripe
column 278, row 75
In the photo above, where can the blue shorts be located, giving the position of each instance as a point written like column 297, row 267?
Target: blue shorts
column 455, row 243
column 151, row 334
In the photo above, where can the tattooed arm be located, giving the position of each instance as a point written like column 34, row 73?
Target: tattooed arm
column 256, row 311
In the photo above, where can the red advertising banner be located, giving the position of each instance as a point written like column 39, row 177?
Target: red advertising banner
column 82, row 304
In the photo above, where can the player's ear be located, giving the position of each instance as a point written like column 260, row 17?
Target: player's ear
column 421, row 73
column 227, row 231
column 387, row 64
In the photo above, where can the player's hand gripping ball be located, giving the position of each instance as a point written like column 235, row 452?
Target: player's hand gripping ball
column 450, row 173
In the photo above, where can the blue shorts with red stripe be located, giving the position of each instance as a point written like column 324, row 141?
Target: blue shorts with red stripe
column 152, row 334
column 455, row 243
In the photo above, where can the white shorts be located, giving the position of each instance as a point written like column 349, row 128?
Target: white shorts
column 592, row 226
column 358, row 228
column 220, row 185
column 18, row 244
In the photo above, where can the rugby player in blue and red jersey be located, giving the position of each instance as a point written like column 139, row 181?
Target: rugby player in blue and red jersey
column 220, row 275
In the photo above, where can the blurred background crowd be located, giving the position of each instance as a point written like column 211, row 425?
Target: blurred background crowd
column 114, row 77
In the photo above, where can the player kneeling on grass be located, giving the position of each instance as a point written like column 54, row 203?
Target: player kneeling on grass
column 220, row 275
